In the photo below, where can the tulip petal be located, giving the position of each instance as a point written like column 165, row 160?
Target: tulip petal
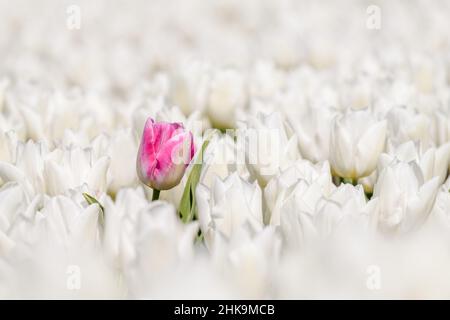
column 369, row 148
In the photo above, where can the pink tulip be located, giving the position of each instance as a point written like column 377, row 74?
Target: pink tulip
column 165, row 151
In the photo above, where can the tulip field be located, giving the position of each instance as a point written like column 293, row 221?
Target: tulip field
column 258, row 149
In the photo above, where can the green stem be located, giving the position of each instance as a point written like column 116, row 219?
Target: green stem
column 155, row 194
column 350, row 180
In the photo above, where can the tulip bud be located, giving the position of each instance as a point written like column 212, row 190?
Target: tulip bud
column 164, row 153
column 357, row 139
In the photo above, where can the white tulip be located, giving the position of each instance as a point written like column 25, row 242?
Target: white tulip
column 163, row 245
column 72, row 168
column 27, row 168
column 162, row 238
column 292, row 198
column 405, row 124
column 265, row 80
column 269, row 146
column 345, row 210
column 188, row 280
column 222, row 157
column 59, row 241
column 228, row 205
column 433, row 162
column 356, row 142
column 298, row 188
column 248, row 260
column 441, row 210
column 442, row 125
column 4, row 83
column 48, row 118
column 121, row 219
column 192, row 86
column 11, row 205
column 40, row 171
column 4, row 150
column 357, row 95
column 121, row 148
column 313, row 132
column 405, row 199
column 73, row 138
column 66, row 223
column 369, row 181
column 8, row 145
column 227, row 94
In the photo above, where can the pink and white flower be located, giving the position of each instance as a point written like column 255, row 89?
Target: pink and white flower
column 166, row 150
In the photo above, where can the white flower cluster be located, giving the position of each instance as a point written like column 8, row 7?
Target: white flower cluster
column 350, row 199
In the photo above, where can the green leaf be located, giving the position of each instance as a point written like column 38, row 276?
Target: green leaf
column 188, row 208
column 91, row 200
